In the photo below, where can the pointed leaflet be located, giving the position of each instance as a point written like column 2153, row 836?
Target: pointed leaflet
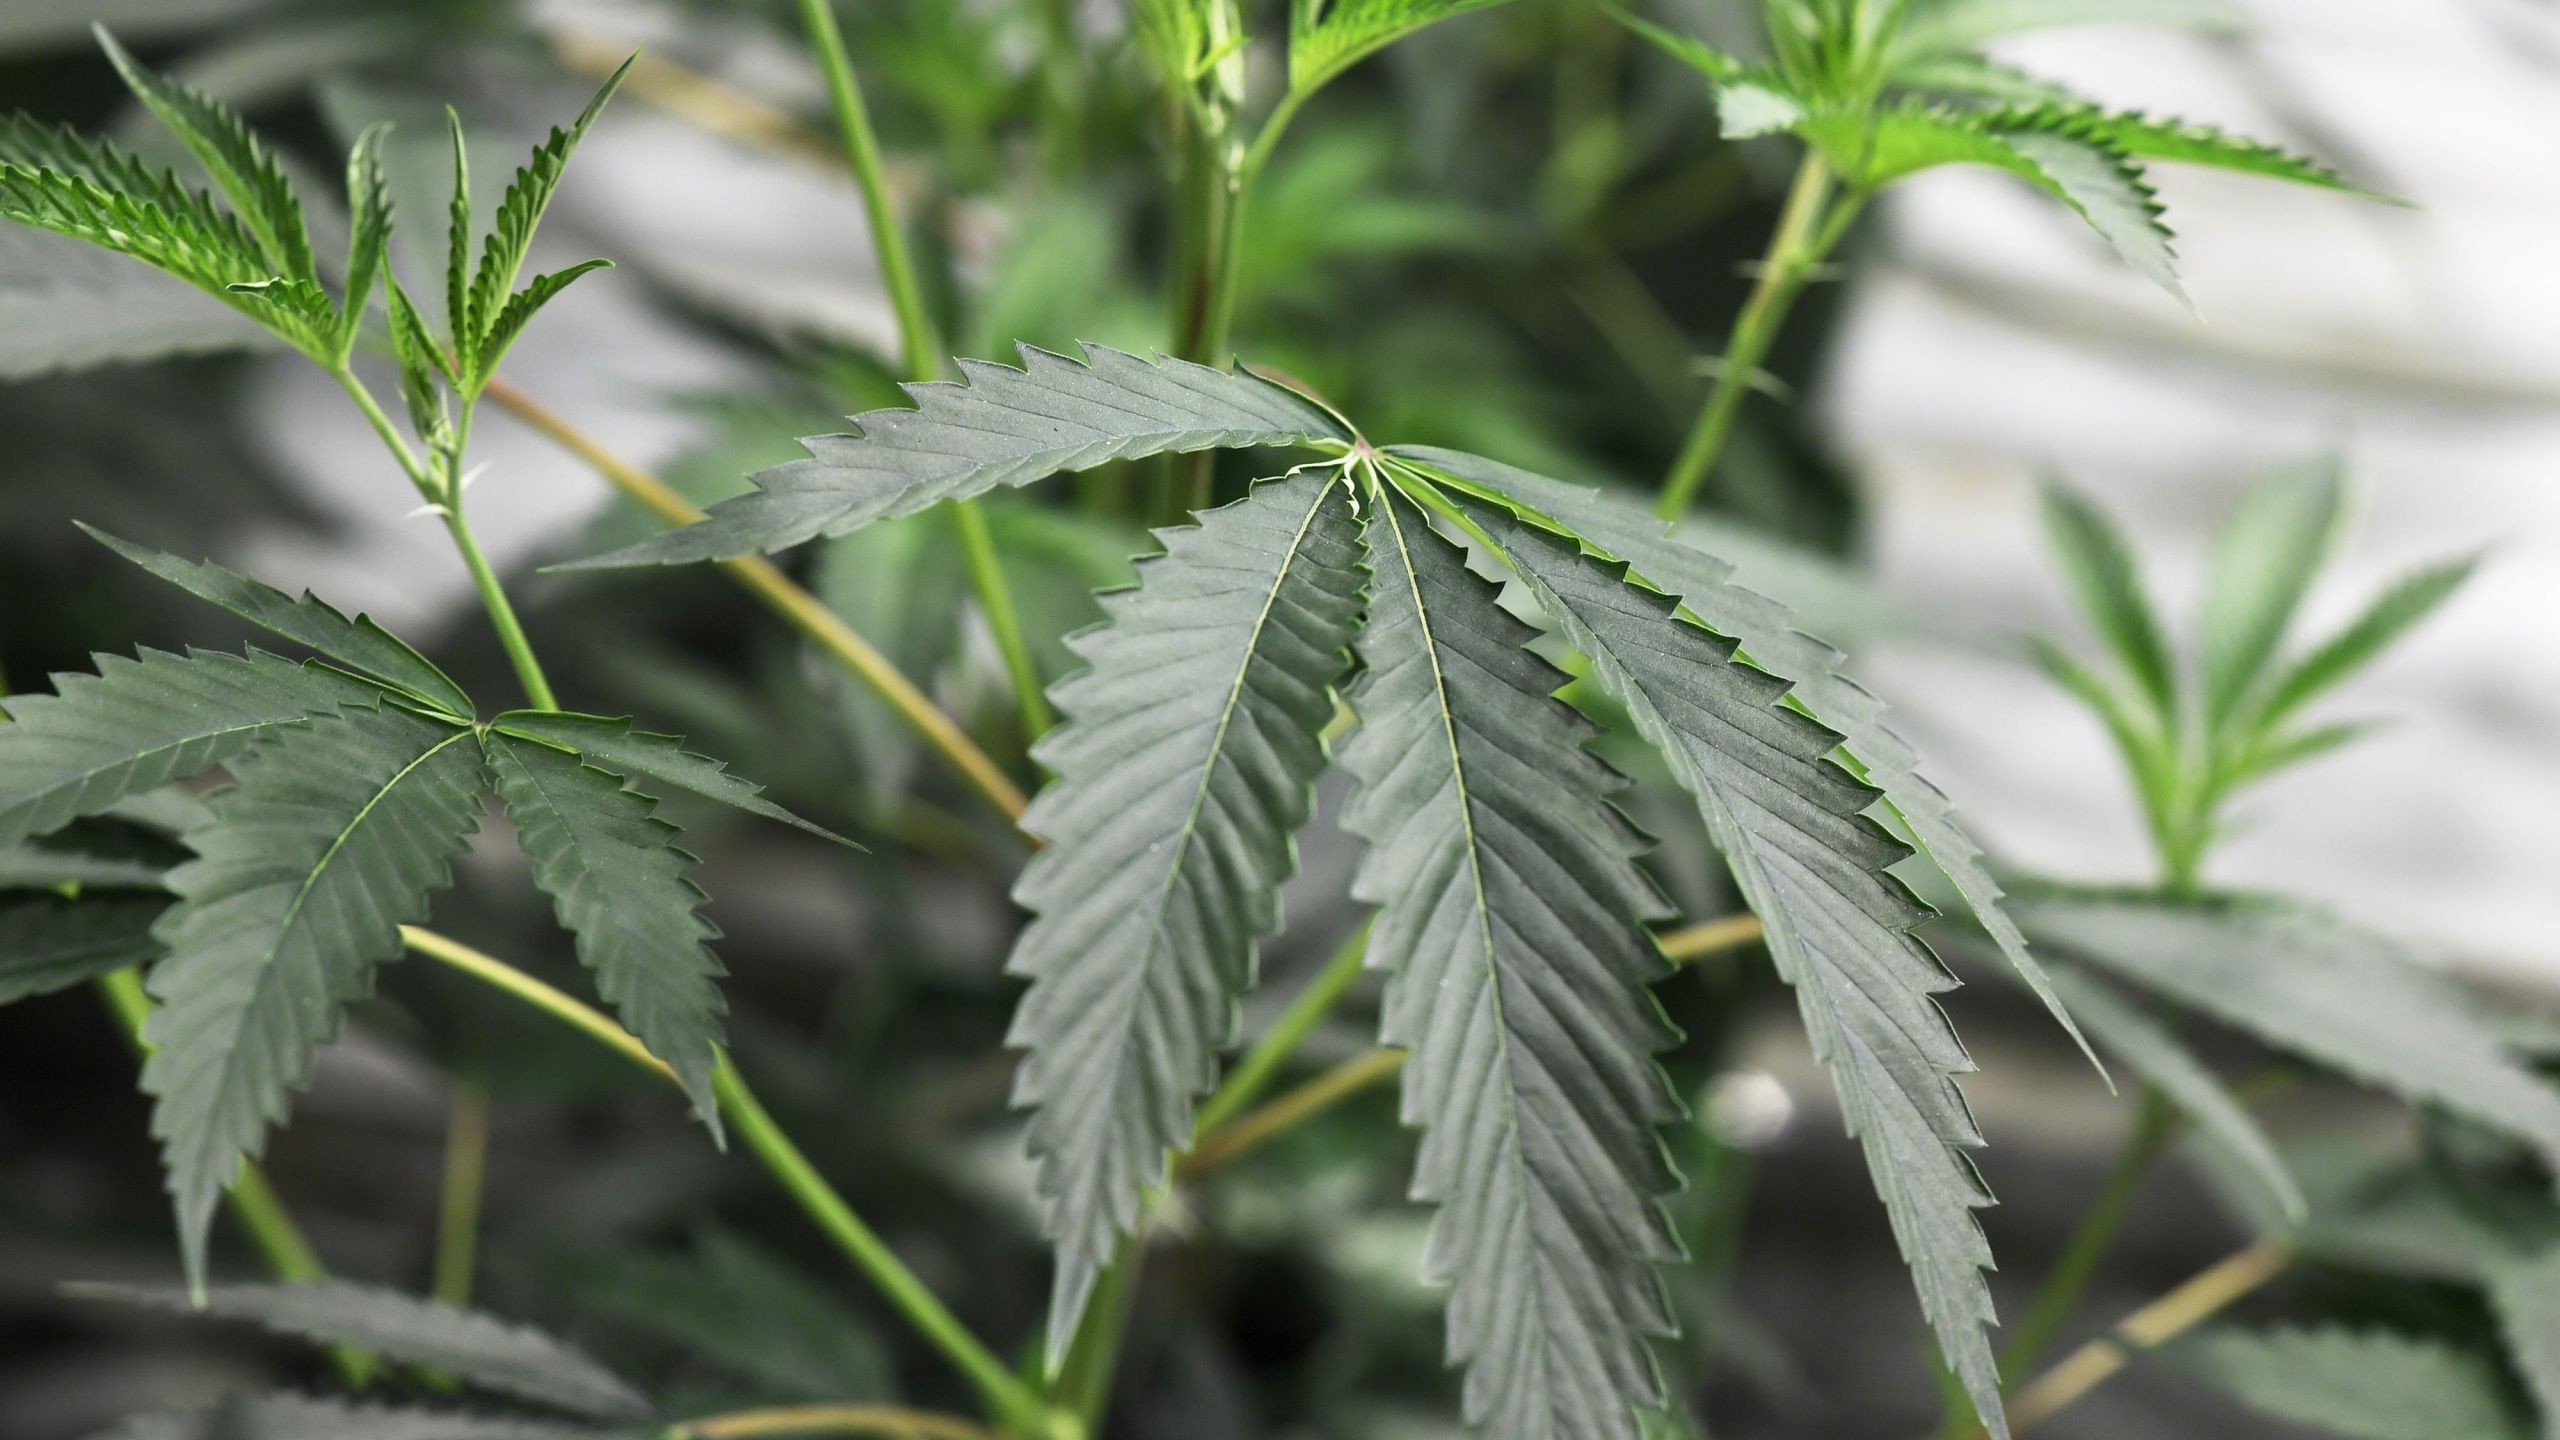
column 1002, row 427
column 1184, row 771
column 618, row 882
column 2308, row 982
column 2134, row 1037
column 301, row 1417
column 240, row 164
column 611, row 744
column 519, row 312
column 1700, row 582
column 481, row 1351
column 2183, row 142
column 511, row 229
column 1327, row 37
column 2393, row 613
column 1933, row 26
column 138, row 724
column 333, row 837
column 1750, row 99
column 368, row 236
column 1813, row 868
column 2526, row 1295
column 2264, row 560
column 2365, row 1385
column 2099, row 563
column 358, row 644
column 48, row 943
column 1511, row 921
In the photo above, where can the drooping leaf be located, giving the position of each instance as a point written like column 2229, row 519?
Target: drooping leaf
column 481, row 1351
column 511, row 231
column 240, row 163
column 618, row 882
column 2099, row 563
column 1002, row 427
column 1185, row 768
column 2365, row 1385
column 48, row 943
column 612, row 745
column 331, row 839
column 1510, row 921
column 1838, row 927
column 2264, row 560
column 1932, row 27
column 2526, row 1295
column 299, row 1417
column 138, row 724
column 2132, row 1035
column 2310, row 983
column 2393, row 613
column 359, row 644
column 1327, row 37
column 369, row 235
column 1702, row 584
column 518, row 312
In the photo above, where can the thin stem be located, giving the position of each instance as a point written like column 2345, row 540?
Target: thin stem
column 1793, row 252
column 786, row 598
column 862, row 153
column 2153, row 1126
column 1093, row 1357
column 996, row 599
column 410, row 464
column 466, row 1169
column 2198, row 1299
column 884, row 1420
column 502, row 612
column 1009, row 1398
column 1252, row 1075
column 1314, row 1097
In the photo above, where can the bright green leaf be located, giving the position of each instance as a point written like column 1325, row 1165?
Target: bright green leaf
column 2393, row 614
column 519, row 311
column 1327, row 37
column 240, row 164
column 2268, row 553
column 369, row 236
column 1932, row 27
column 511, row 231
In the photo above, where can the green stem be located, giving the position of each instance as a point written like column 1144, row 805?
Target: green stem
column 1007, row 1397
column 1012, row 1401
column 996, row 598
column 920, row 350
column 410, row 464
column 1803, row 237
column 1083, row 1386
column 502, row 613
column 466, row 1168
column 1253, row 1074
column 254, row 1202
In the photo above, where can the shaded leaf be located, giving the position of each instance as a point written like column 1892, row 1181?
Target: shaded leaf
column 331, row 839
column 2366, row 1385
column 481, row 1351
column 1002, row 427
column 612, row 745
column 48, row 943
column 1185, row 768
column 618, row 882
column 1510, row 921
column 297, row 1417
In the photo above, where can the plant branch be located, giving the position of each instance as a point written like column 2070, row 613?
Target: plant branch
column 466, row 1170
column 1803, row 237
column 1252, row 1075
column 995, row 597
column 1007, row 1396
column 785, row 597
column 502, row 612
column 883, row 1420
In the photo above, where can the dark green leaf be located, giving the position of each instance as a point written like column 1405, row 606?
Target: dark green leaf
column 1185, row 768
column 2526, row 1295
column 1002, row 427
column 48, row 943
column 2366, row 1385
column 612, row 745
column 618, row 882
column 1511, row 921
column 297, row 1417
column 331, row 839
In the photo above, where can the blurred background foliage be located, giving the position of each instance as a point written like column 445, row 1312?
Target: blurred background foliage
column 1513, row 233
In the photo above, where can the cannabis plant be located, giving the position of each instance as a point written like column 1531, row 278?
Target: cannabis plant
column 233, row 845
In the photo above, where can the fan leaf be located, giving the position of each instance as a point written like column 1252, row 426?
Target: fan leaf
column 241, row 165
column 138, row 724
column 2104, row 574
column 1184, row 770
column 2264, row 560
column 1002, row 427
column 1327, row 37
column 618, row 882
column 298, row 1417
column 1838, row 927
column 369, row 235
column 519, row 312
column 1511, row 922
column 511, row 229
column 2393, row 614
column 1933, row 27
column 359, row 644
column 2526, row 1295
column 481, row 1351
column 331, row 839
column 612, row 745
column 48, row 943
column 2365, row 1385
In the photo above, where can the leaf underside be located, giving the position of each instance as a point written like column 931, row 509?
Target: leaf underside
column 1184, row 769
column 331, row 839
column 621, row 886
column 481, row 1351
column 1838, row 927
column 1002, row 426
column 1511, row 922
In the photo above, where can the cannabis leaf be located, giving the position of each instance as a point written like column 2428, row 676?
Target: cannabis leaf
column 1184, row 770
column 240, row 164
column 1838, row 926
column 1510, row 923
column 138, row 724
column 477, row 318
column 619, row 884
column 612, row 745
column 1327, row 37
column 50, row 943
column 2308, row 982
column 1004, row 426
column 2526, row 1295
column 331, row 838
column 1930, row 27
column 2368, row 1385
column 2100, row 565
column 298, row 1417
column 478, row 1350
column 2264, row 561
